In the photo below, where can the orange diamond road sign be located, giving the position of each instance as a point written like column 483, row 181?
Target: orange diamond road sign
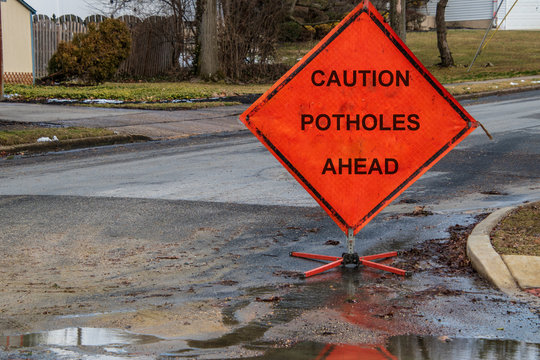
column 358, row 119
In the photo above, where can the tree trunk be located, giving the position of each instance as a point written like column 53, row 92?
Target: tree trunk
column 397, row 10
column 442, row 43
column 208, row 56
column 404, row 20
column 177, row 39
column 291, row 6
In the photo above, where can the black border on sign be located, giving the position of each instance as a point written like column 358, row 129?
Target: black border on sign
column 415, row 64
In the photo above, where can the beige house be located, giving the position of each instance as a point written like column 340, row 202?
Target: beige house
column 17, row 41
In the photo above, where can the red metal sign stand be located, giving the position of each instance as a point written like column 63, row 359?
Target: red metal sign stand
column 350, row 258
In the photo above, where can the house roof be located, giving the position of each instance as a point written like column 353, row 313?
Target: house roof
column 31, row 9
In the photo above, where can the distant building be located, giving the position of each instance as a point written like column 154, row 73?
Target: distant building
column 17, row 41
column 478, row 13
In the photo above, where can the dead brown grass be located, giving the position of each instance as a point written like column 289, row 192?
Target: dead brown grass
column 509, row 54
column 519, row 232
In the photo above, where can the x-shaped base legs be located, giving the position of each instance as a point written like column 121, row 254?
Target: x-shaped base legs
column 350, row 258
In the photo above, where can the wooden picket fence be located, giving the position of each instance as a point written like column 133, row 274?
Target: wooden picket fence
column 152, row 53
column 47, row 35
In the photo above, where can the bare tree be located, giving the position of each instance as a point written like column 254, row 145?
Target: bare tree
column 196, row 17
column 291, row 6
column 208, row 66
column 248, row 36
column 234, row 38
column 398, row 17
column 444, row 50
column 180, row 23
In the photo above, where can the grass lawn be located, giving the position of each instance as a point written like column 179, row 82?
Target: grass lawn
column 134, row 92
column 492, row 85
column 511, row 53
column 15, row 136
column 165, row 106
column 519, row 232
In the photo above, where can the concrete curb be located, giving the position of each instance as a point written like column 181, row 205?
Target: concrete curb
column 73, row 143
column 502, row 92
column 485, row 259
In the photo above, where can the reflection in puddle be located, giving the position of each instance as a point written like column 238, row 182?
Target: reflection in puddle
column 408, row 347
column 432, row 348
column 346, row 352
column 307, row 351
column 77, row 337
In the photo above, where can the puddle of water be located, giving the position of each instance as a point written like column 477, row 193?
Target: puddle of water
column 306, row 351
column 63, row 354
column 79, row 316
column 432, row 348
column 248, row 333
column 253, row 311
column 409, row 347
column 77, row 337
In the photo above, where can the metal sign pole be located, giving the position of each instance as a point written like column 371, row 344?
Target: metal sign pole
column 350, row 257
column 485, row 35
column 350, row 241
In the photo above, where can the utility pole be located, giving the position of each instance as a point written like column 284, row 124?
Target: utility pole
column 1, row 58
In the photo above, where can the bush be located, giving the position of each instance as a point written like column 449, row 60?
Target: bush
column 323, row 29
column 291, row 31
column 65, row 59
column 93, row 57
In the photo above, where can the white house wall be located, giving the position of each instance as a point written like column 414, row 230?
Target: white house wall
column 524, row 16
column 464, row 10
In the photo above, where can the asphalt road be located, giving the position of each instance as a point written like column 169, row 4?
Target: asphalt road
column 238, row 169
column 210, row 221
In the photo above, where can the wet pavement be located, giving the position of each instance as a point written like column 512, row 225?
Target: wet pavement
column 239, row 296
column 402, row 347
column 181, row 250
